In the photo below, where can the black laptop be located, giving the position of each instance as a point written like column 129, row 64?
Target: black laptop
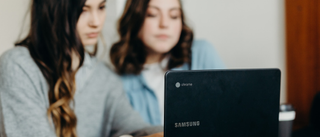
column 222, row 103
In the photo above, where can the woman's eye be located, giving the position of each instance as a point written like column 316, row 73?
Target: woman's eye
column 174, row 17
column 84, row 10
column 151, row 15
column 102, row 7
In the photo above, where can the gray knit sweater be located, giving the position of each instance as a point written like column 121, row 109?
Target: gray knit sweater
column 101, row 106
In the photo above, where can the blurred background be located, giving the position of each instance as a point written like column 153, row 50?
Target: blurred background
column 280, row 34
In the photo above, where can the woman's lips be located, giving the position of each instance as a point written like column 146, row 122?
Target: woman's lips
column 93, row 35
column 162, row 36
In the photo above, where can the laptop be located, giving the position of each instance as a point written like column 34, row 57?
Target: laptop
column 222, row 103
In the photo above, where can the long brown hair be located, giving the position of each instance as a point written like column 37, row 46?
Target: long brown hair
column 51, row 41
column 129, row 54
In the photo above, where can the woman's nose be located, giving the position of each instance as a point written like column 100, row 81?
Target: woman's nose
column 164, row 22
column 95, row 20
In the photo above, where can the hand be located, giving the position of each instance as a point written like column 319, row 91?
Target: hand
column 156, row 135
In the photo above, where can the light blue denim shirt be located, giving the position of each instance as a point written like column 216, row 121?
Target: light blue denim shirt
column 142, row 97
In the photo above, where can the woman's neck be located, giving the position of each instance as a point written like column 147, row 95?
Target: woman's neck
column 154, row 58
column 75, row 61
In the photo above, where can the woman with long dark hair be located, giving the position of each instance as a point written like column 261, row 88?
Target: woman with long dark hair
column 154, row 38
column 50, row 86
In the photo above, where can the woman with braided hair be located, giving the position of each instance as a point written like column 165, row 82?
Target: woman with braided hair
column 51, row 87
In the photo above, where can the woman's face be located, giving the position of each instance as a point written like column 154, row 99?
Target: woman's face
column 91, row 21
column 162, row 26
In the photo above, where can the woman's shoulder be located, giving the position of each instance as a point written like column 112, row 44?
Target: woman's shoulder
column 201, row 46
column 17, row 56
column 205, row 56
column 18, row 67
column 15, row 52
column 202, row 49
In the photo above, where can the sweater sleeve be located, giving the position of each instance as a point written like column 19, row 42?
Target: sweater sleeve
column 124, row 119
column 23, row 110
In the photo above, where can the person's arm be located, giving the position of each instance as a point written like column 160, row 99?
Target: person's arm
column 2, row 131
column 153, row 131
column 124, row 119
column 156, row 135
column 23, row 110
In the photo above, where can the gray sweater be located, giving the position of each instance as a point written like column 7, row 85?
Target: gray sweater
column 101, row 106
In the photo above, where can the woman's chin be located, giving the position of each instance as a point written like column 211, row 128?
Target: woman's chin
column 163, row 49
column 90, row 42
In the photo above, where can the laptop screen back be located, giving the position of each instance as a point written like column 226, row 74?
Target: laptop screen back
column 222, row 103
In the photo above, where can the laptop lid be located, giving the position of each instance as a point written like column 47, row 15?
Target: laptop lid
column 222, row 103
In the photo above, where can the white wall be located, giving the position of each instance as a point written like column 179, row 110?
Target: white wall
column 246, row 33
column 12, row 13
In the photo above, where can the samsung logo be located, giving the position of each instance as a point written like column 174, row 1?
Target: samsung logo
column 178, row 85
column 187, row 124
